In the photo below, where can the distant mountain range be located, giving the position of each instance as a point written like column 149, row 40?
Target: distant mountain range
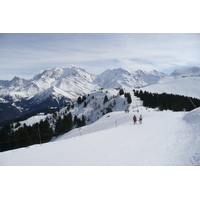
column 54, row 88
column 72, row 82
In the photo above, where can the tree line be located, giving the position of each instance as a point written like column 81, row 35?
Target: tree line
column 18, row 135
column 126, row 95
column 41, row 132
column 167, row 101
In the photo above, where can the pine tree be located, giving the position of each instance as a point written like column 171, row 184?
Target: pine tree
column 83, row 98
column 78, row 123
column 79, row 101
column 128, row 96
column 22, row 137
column 83, row 121
column 67, row 122
column 108, row 109
column 45, row 131
column 105, row 99
column 121, row 92
column 76, row 120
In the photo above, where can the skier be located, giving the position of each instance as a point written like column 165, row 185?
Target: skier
column 134, row 119
column 140, row 119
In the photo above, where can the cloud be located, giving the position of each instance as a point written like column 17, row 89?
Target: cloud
column 24, row 54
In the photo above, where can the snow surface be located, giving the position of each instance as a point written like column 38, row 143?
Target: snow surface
column 187, row 86
column 32, row 120
column 164, row 138
column 186, row 72
column 184, row 82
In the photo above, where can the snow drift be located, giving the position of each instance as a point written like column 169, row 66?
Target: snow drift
column 193, row 117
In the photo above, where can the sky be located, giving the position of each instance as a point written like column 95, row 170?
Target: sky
column 26, row 54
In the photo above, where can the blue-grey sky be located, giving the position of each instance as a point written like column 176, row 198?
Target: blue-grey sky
column 25, row 55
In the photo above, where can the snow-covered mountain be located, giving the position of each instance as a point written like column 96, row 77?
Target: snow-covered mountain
column 53, row 88
column 73, row 82
column 126, row 79
column 69, row 79
column 184, row 82
column 186, row 72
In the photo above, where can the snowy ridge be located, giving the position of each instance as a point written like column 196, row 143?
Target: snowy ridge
column 126, row 79
column 184, row 82
column 187, row 72
column 95, row 107
column 75, row 81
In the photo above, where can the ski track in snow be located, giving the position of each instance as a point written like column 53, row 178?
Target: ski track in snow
column 163, row 139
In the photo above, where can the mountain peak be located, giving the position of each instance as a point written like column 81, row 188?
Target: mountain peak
column 57, row 72
column 15, row 78
column 65, row 67
column 16, row 82
column 125, row 78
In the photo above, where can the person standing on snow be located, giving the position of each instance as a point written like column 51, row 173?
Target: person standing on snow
column 134, row 119
column 140, row 119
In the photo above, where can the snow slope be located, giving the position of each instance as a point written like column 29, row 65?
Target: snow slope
column 164, row 138
column 183, row 82
column 186, row 72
